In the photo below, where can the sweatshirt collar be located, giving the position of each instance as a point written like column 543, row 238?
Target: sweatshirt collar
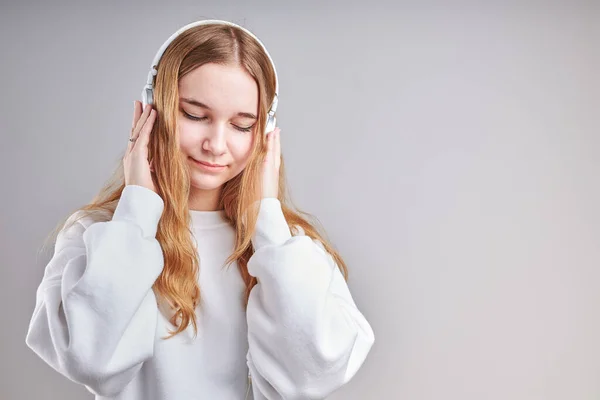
column 208, row 219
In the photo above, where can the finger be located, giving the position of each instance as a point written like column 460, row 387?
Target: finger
column 269, row 146
column 138, row 126
column 143, row 118
column 277, row 145
column 144, row 136
column 141, row 143
column 137, row 111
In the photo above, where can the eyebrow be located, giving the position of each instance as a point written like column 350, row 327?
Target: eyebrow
column 202, row 105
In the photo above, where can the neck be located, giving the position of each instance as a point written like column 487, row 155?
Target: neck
column 204, row 200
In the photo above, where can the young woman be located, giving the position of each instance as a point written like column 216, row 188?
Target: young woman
column 189, row 271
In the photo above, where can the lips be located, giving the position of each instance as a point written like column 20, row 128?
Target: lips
column 208, row 167
column 207, row 163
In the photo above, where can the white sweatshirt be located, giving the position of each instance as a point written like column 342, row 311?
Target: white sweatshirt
column 97, row 320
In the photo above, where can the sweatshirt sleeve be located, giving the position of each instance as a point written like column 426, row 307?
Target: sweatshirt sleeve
column 95, row 314
column 306, row 336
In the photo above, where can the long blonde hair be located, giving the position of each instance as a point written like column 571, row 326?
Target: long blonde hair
column 178, row 282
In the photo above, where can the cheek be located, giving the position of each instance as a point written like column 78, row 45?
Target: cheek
column 186, row 137
column 241, row 149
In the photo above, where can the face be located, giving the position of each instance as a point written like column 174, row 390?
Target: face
column 218, row 106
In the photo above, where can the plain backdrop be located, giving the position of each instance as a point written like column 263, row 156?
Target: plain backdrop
column 450, row 150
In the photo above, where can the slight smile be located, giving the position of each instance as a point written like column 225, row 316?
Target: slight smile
column 209, row 166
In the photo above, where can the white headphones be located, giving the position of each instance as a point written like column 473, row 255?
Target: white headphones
column 147, row 92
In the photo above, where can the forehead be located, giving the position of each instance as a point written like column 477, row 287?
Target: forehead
column 224, row 88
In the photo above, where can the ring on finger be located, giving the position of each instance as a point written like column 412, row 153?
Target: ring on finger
column 132, row 135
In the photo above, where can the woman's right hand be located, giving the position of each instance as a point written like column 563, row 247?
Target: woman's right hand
column 136, row 165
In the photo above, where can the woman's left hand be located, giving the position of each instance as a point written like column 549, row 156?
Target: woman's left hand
column 270, row 182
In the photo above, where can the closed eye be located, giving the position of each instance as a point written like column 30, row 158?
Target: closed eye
column 191, row 117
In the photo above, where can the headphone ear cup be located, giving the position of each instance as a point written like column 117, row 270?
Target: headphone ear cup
column 147, row 97
column 271, row 124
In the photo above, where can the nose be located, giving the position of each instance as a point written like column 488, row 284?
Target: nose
column 215, row 141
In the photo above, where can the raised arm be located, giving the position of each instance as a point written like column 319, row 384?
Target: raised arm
column 95, row 314
column 306, row 336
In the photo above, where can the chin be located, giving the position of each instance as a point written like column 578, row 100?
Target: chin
column 202, row 180
column 207, row 183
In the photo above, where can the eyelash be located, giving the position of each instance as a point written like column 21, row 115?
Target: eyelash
column 188, row 116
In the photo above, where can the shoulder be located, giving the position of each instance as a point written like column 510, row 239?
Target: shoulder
column 297, row 230
column 78, row 221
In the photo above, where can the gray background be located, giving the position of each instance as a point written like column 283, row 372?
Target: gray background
column 450, row 151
